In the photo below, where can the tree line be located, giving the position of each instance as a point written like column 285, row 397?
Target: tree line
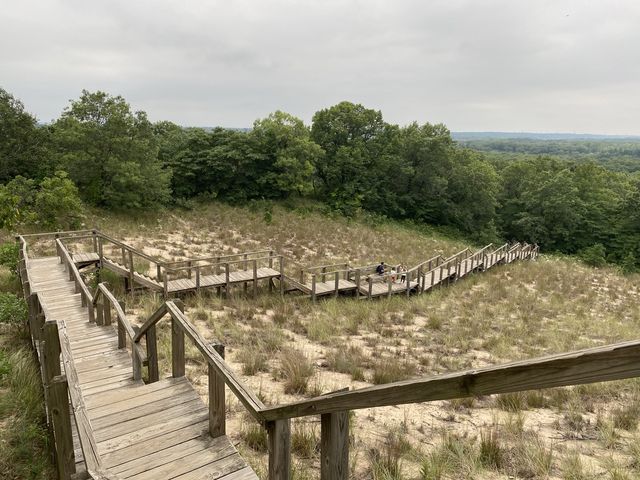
column 102, row 153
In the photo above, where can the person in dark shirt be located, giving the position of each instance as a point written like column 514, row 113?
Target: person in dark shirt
column 380, row 269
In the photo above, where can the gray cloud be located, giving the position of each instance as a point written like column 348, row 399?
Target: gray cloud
column 515, row 65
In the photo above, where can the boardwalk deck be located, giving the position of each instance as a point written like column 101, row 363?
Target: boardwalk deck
column 208, row 281
column 153, row 431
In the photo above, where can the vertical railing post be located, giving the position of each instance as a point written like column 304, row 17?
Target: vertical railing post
column 131, row 271
column 217, row 272
column 279, row 432
column 152, row 354
column 217, row 403
column 158, row 272
column 337, row 284
column 58, row 396
column 334, row 446
column 122, row 334
column 244, row 267
column 226, row 279
column 106, row 311
column 324, row 274
column 389, row 285
column 177, row 345
column 198, row 278
column 281, row 262
column 255, row 278
column 99, row 309
column 313, row 287
column 357, row 283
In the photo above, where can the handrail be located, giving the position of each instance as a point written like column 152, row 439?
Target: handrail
column 87, row 298
column 129, row 248
column 251, row 402
column 233, row 262
column 215, row 257
column 610, row 362
column 124, row 327
column 56, row 234
column 83, row 425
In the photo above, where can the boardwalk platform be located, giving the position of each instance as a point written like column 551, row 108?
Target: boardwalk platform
column 82, row 259
column 153, row 431
column 209, row 281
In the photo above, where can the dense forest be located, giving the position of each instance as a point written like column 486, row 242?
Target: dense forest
column 101, row 153
column 619, row 155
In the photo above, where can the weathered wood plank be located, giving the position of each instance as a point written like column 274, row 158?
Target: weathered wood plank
column 611, row 362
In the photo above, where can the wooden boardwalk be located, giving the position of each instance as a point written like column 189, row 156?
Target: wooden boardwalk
column 142, row 431
column 108, row 424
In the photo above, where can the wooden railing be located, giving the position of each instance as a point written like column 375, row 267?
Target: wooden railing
column 74, row 275
column 104, row 302
column 612, row 362
column 61, row 386
column 224, row 267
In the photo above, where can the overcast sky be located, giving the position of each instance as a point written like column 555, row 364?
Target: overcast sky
column 476, row 65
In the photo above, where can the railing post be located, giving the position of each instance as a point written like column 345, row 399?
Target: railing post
column 255, row 279
column 324, row 276
column 177, row 345
column 226, row 279
column 313, row 287
column 198, row 278
column 217, row 272
column 357, row 283
column 334, row 446
column 106, row 312
column 279, row 432
column 158, row 272
column 122, row 334
column 58, row 395
column 152, row 354
column 165, row 284
column 281, row 261
column 189, row 267
column 99, row 310
column 270, row 258
column 244, row 267
column 131, row 271
column 337, row 282
column 217, row 403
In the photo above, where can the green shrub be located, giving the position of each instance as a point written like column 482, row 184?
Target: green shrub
column 12, row 309
column 595, row 255
column 9, row 255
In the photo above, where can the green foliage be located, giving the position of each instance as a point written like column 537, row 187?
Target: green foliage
column 22, row 143
column 13, row 310
column 53, row 203
column 595, row 255
column 9, row 256
column 111, row 153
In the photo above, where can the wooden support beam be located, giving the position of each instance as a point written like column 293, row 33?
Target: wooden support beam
column 152, row 354
column 217, row 402
column 58, row 397
column 177, row 345
column 122, row 332
column 334, row 446
column 279, row 433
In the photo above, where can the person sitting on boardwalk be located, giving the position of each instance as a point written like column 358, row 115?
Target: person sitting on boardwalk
column 380, row 269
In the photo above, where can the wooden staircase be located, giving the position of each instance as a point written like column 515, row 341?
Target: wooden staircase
column 154, row 431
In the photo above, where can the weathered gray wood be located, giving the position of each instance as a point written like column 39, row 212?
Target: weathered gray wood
column 57, row 396
column 313, row 287
column 334, row 446
column 50, row 351
column 251, row 402
column 152, row 354
column 217, row 403
column 279, row 433
column 106, row 312
column 612, row 362
column 177, row 349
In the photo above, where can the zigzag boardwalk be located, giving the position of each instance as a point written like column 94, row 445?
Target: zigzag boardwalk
column 109, row 424
column 152, row 431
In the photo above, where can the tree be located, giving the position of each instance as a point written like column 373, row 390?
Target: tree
column 353, row 139
column 53, row 203
column 23, row 145
column 288, row 155
column 111, row 153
